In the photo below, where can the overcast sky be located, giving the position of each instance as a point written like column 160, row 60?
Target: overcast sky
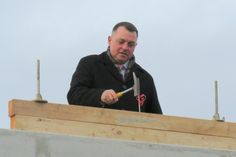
column 184, row 44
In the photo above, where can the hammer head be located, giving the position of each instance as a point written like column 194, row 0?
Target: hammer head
column 136, row 85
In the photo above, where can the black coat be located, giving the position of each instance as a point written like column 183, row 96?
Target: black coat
column 96, row 73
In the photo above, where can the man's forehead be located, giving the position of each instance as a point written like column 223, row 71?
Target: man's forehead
column 122, row 29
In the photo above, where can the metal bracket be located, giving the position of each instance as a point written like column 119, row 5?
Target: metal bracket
column 216, row 116
column 39, row 97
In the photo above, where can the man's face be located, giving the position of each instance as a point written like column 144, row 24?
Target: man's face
column 122, row 44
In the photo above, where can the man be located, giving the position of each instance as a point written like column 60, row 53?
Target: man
column 98, row 78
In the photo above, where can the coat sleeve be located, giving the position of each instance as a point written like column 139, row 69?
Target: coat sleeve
column 81, row 90
column 154, row 106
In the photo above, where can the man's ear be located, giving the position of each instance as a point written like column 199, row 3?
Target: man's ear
column 109, row 40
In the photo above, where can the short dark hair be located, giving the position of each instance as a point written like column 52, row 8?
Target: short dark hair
column 129, row 26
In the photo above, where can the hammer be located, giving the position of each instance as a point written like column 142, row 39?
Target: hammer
column 136, row 88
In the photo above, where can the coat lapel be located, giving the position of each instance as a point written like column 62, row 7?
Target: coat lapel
column 110, row 66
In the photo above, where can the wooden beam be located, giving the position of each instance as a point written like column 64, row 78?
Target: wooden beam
column 122, row 132
column 122, row 118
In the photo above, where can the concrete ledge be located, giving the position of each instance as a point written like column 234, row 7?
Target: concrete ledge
column 34, row 144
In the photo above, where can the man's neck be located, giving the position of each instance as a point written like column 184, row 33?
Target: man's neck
column 127, row 64
column 112, row 59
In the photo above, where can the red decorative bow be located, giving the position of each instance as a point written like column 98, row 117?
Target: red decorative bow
column 141, row 99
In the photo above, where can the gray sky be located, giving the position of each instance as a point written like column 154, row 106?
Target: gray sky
column 185, row 44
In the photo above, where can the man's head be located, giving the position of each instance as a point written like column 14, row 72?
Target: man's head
column 123, row 41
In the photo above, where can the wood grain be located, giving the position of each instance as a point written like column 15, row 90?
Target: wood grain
column 99, row 122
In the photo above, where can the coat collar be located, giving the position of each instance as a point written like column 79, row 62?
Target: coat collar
column 110, row 66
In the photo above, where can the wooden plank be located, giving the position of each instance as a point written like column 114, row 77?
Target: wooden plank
column 122, row 132
column 122, row 118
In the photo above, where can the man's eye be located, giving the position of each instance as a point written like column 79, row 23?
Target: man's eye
column 131, row 44
column 121, row 41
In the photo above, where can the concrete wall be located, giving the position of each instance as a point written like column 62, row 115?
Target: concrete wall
column 32, row 144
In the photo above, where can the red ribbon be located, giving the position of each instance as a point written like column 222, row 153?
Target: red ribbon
column 141, row 99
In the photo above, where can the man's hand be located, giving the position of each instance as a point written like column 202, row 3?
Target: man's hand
column 109, row 97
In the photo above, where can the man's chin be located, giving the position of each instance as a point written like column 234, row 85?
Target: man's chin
column 122, row 61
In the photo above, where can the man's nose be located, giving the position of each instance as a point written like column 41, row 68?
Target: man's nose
column 125, row 46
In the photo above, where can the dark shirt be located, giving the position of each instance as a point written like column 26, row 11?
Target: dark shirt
column 96, row 73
